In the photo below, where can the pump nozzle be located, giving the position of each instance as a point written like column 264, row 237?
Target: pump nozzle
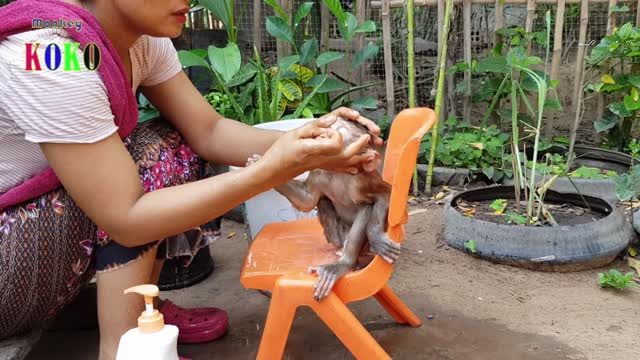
column 150, row 320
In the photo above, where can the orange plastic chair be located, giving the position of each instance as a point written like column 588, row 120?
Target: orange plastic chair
column 282, row 252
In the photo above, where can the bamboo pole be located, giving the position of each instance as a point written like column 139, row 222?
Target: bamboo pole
column 441, row 11
column 439, row 94
column 388, row 61
column 557, row 55
column 582, row 46
column 324, row 27
column 466, row 14
column 257, row 25
column 531, row 16
column 361, row 7
column 638, row 14
column 411, row 74
column 376, row 4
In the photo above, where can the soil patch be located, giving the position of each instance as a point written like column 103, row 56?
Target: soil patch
column 563, row 214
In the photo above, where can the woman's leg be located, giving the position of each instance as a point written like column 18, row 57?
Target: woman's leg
column 117, row 312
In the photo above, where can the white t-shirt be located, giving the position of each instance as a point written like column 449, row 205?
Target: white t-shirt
column 62, row 106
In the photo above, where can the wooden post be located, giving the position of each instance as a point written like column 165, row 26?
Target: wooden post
column 557, row 55
column 388, row 61
column 611, row 19
column 361, row 7
column 284, row 49
column 325, row 17
column 531, row 16
column 582, row 39
column 579, row 78
column 257, row 24
column 638, row 14
column 499, row 20
column 466, row 14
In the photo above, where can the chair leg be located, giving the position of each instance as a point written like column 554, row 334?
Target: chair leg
column 396, row 307
column 277, row 327
column 348, row 328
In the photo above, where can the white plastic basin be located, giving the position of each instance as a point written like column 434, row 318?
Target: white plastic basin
column 270, row 206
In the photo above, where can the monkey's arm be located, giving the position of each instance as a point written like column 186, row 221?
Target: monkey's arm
column 379, row 242
column 302, row 195
column 353, row 243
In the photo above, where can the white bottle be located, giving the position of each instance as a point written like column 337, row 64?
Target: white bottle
column 152, row 339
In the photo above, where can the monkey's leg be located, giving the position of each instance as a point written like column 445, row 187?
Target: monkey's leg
column 379, row 242
column 335, row 230
column 330, row 273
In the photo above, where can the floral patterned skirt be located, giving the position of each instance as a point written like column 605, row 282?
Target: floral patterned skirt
column 49, row 249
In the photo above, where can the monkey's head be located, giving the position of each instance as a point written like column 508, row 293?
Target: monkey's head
column 351, row 131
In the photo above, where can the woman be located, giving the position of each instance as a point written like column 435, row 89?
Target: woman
column 118, row 197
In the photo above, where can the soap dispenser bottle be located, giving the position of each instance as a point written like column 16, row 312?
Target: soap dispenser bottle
column 152, row 339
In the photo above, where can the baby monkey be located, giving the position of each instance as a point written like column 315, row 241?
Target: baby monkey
column 352, row 209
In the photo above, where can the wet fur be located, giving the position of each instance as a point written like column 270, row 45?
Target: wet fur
column 352, row 210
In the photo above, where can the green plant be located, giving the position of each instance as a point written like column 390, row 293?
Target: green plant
column 614, row 279
column 146, row 111
column 515, row 218
column 224, row 11
column 316, row 88
column 470, row 245
column 230, row 78
column 499, row 205
column 488, row 81
column 222, row 103
column 461, row 145
column 620, row 82
column 519, row 66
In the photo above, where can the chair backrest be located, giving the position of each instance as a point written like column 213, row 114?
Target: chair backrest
column 407, row 130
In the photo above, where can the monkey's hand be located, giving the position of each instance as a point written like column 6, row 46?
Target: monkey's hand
column 328, row 275
column 381, row 244
column 253, row 159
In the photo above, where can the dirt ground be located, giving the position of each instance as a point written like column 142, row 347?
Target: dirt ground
column 472, row 309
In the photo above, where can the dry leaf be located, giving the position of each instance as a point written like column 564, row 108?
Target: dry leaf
column 445, row 188
column 632, row 251
column 439, row 196
column 417, row 211
column 469, row 212
column 634, row 264
column 477, row 145
column 231, row 234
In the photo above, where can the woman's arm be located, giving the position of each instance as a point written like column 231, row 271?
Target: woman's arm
column 103, row 180
column 213, row 137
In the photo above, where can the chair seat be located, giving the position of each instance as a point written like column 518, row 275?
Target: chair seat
column 285, row 248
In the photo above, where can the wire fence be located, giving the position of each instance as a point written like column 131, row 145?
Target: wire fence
column 426, row 44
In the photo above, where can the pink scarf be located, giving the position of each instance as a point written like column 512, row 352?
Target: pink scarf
column 17, row 17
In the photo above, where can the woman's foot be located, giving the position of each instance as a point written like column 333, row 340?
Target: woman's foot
column 197, row 325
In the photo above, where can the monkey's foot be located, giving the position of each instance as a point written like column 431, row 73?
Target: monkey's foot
column 388, row 249
column 253, row 159
column 328, row 275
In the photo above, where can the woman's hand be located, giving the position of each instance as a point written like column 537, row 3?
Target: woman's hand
column 313, row 145
column 353, row 115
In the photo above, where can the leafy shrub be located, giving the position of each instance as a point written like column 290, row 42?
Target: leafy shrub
column 614, row 279
column 464, row 146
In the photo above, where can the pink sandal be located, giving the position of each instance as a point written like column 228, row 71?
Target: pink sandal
column 195, row 325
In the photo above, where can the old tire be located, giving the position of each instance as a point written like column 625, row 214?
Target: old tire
column 561, row 248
